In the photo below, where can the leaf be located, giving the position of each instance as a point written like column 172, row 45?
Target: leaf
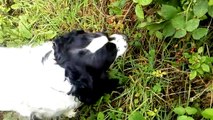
column 199, row 33
column 200, row 8
column 203, row 59
column 142, row 25
column 100, row 116
column 180, row 33
column 200, row 71
column 157, row 88
column 179, row 110
column 168, row 30
column 24, row 30
column 195, row 66
column 139, row 11
column 16, row 6
column 168, row 11
column 192, row 24
column 179, row 22
column 159, row 35
column 135, row 1
column 192, row 75
column 144, row 2
column 184, row 117
column 191, row 110
column 200, row 50
column 136, row 116
column 50, row 34
column 207, row 113
column 205, row 67
column 210, row 2
column 186, row 55
column 210, row 11
column 151, row 113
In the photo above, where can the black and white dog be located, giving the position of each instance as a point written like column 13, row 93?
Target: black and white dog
column 56, row 77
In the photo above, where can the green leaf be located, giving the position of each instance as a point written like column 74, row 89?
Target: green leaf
column 136, row 116
column 135, row 1
column 179, row 22
column 199, row 33
column 151, row 113
column 192, row 75
column 210, row 2
column 159, row 35
column 184, row 117
column 200, row 50
column 24, row 30
column 191, row 110
column 192, row 24
column 203, row 59
column 195, row 66
column 200, row 71
column 210, row 11
column 100, row 116
column 139, row 11
column 144, row 2
column 179, row 110
column 168, row 30
column 200, row 8
column 180, row 33
column 186, row 55
column 16, row 6
column 168, row 11
column 142, row 25
column 157, row 88
column 207, row 113
column 205, row 67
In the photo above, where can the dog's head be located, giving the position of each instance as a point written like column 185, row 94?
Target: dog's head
column 86, row 58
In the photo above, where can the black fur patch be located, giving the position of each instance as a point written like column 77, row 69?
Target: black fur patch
column 86, row 71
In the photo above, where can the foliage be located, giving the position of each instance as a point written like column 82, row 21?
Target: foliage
column 169, row 59
column 199, row 64
column 178, row 21
column 188, row 113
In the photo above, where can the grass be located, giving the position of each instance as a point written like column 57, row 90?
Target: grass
column 153, row 74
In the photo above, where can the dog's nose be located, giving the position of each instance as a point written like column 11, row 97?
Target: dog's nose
column 124, row 37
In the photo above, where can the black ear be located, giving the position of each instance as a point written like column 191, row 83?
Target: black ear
column 62, row 44
column 102, row 58
column 82, row 83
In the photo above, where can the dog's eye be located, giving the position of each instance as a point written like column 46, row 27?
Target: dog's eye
column 54, row 44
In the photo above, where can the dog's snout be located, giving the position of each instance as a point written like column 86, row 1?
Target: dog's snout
column 124, row 37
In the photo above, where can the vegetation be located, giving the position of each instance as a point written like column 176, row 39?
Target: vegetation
column 167, row 71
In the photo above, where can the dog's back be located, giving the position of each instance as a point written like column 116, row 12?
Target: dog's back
column 28, row 83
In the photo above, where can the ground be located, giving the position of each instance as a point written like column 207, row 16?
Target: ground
column 166, row 69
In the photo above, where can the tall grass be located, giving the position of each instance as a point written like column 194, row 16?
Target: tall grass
column 153, row 82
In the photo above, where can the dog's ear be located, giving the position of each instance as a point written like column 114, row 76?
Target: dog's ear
column 102, row 58
column 62, row 45
column 82, row 83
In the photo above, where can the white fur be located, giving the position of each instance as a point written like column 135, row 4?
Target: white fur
column 97, row 43
column 120, row 42
column 27, row 85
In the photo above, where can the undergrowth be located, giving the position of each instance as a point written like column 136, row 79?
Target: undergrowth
column 166, row 73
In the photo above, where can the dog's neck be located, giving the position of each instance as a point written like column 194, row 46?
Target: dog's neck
column 49, row 64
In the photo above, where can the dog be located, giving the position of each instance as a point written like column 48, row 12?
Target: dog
column 55, row 78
